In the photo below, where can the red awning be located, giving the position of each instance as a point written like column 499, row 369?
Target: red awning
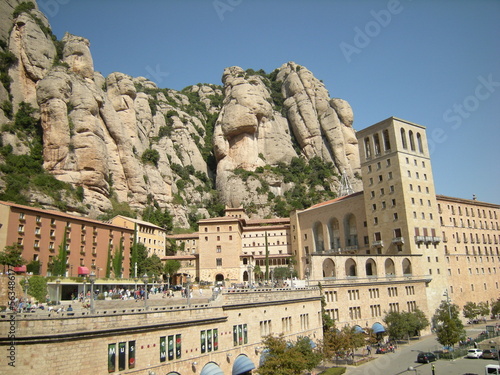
column 20, row 269
column 83, row 271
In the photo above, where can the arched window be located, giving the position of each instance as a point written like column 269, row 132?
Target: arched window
column 350, row 268
column 387, row 142
column 334, row 229
column 371, row 267
column 403, row 138
column 328, row 268
column 368, row 150
column 407, row 267
column 412, row 141
column 351, row 232
column 319, row 242
column 376, row 142
column 389, row 267
column 419, row 142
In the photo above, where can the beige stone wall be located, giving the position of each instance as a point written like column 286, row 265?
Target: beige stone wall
column 77, row 345
column 471, row 237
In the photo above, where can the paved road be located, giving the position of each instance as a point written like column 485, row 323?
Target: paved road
column 398, row 363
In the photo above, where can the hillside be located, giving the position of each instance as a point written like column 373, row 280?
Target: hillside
column 83, row 143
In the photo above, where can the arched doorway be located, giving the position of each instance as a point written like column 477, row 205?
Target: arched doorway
column 371, row 267
column 389, row 267
column 350, row 268
column 407, row 267
column 219, row 279
column 328, row 268
column 319, row 241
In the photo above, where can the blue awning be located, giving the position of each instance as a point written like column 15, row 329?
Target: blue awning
column 378, row 328
column 242, row 364
column 211, row 369
column 358, row 329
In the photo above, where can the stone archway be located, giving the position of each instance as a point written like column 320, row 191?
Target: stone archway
column 351, row 268
column 371, row 267
column 328, row 268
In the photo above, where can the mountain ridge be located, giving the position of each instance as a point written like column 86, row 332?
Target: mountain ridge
column 124, row 145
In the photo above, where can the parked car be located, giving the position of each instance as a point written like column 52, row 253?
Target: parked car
column 382, row 350
column 489, row 354
column 426, row 357
column 474, row 353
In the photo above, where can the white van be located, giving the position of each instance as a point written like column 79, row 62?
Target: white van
column 492, row 369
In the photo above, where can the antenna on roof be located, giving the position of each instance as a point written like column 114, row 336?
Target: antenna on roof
column 345, row 186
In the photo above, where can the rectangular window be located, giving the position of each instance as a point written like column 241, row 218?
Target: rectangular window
column 218, row 262
column 163, row 348
column 170, row 347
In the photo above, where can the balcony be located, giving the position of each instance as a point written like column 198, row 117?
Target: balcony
column 428, row 239
column 419, row 239
column 436, row 240
column 378, row 244
column 398, row 240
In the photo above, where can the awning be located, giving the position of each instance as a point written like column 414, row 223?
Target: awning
column 20, row 269
column 242, row 364
column 378, row 328
column 83, row 271
column 211, row 369
column 358, row 329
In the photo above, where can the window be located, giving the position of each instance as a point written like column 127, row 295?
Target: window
column 218, row 262
column 219, row 250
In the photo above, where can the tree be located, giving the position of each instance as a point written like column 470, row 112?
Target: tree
column 258, row 272
column 449, row 327
column 12, row 256
column 58, row 266
column 470, row 310
column 153, row 266
column 405, row 324
column 495, row 307
column 108, row 263
column 397, row 325
column 287, row 358
column 483, row 308
column 171, row 267
column 34, row 267
column 118, row 261
column 37, row 288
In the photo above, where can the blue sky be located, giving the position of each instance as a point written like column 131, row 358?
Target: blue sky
column 432, row 62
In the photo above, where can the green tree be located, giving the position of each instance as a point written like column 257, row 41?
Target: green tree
column 118, row 261
column 171, row 267
column 59, row 264
column 495, row 307
column 397, row 325
column 449, row 327
column 483, row 308
column 151, row 156
column 108, row 263
column 287, row 358
column 37, row 287
column 153, row 266
column 34, row 267
column 470, row 310
column 12, row 256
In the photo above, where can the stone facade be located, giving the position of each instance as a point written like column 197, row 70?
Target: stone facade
column 74, row 345
column 41, row 232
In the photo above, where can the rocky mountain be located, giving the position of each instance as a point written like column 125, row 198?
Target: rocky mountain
column 268, row 142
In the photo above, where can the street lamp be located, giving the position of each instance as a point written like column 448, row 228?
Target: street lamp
column 249, row 275
column 168, row 281
column 92, row 278
column 26, row 288
column 145, row 280
column 188, row 291
column 58, row 281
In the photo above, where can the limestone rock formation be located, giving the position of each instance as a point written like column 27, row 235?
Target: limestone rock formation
column 123, row 140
